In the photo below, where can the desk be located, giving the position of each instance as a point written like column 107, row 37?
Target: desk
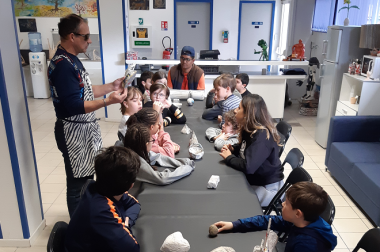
column 188, row 206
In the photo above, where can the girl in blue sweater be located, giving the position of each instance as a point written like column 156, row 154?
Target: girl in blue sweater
column 256, row 154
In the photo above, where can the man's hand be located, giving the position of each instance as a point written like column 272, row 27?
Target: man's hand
column 117, row 84
column 219, row 118
column 116, row 97
column 225, row 153
column 223, row 226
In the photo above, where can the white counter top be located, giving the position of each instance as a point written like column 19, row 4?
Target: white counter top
column 223, row 62
column 258, row 76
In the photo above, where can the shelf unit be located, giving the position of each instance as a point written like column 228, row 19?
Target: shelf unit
column 368, row 92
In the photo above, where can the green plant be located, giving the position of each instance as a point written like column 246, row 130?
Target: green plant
column 348, row 7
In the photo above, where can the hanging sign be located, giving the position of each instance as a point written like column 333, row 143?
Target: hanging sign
column 164, row 25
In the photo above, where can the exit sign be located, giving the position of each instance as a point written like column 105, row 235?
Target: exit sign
column 142, row 43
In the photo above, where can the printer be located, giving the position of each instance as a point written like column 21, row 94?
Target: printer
column 215, row 69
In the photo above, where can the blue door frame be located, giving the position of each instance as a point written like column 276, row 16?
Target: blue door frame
column 175, row 21
column 271, row 27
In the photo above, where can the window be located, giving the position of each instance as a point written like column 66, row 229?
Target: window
column 368, row 13
column 365, row 15
column 284, row 31
column 321, row 21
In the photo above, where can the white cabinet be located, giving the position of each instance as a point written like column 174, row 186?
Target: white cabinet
column 368, row 92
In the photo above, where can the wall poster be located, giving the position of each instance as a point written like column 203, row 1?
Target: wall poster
column 55, row 8
column 139, row 4
column 27, row 24
column 159, row 4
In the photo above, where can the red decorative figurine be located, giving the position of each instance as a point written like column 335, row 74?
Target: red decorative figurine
column 298, row 51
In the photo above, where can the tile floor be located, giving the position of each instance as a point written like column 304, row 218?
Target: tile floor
column 349, row 224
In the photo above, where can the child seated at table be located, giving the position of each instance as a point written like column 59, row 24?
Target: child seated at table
column 144, row 85
column 138, row 139
column 227, row 135
column 224, row 89
column 159, row 92
column 132, row 104
column 106, row 211
column 214, row 103
column 242, row 80
column 305, row 202
column 151, row 118
column 256, row 154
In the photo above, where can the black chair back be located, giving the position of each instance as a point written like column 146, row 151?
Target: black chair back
column 84, row 187
column 56, row 242
column 298, row 174
column 329, row 213
column 285, row 129
column 370, row 241
column 295, row 158
column 120, row 136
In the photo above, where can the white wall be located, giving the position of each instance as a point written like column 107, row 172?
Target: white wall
column 153, row 17
column 112, row 31
column 225, row 17
column 44, row 26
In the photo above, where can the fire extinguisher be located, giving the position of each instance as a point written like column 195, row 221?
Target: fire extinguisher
column 167, row 51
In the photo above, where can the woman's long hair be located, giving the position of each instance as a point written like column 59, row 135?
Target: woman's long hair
column 136, row 137
column 146, row 116
column 257, row 117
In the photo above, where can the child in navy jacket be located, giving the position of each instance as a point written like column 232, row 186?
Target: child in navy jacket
column 305, row 201
column 257, row 154
column 106, row 212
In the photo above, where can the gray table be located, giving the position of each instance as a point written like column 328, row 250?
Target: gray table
column 188, row 206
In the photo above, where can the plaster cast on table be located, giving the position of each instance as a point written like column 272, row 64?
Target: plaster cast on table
column 223, row 249
column 175, row 243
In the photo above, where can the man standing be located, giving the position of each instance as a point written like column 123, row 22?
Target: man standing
column 76, row 131
column 186, row 75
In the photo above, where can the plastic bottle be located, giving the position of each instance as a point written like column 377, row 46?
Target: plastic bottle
column 358, row 68
column 35, row 43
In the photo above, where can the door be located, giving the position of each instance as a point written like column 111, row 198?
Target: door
column 255, row 24
column 333, row 46
column 193, row 26
column 325, row 107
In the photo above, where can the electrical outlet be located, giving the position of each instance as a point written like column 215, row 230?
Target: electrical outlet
column 54, row 29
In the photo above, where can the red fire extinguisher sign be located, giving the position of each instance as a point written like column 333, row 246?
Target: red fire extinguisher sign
column 164, row 25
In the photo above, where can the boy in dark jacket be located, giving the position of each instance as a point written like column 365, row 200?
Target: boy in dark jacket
column 106, row 211
column 308, row 232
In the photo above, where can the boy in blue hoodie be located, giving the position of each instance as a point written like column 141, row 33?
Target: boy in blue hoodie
column 308, row 232
column 106, row 211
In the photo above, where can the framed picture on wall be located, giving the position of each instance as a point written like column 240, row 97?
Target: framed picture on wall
column 27, row 24
column 139, row 4
column 159, row 4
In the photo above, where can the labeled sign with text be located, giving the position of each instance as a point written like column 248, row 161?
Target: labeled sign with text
column 164, row 25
